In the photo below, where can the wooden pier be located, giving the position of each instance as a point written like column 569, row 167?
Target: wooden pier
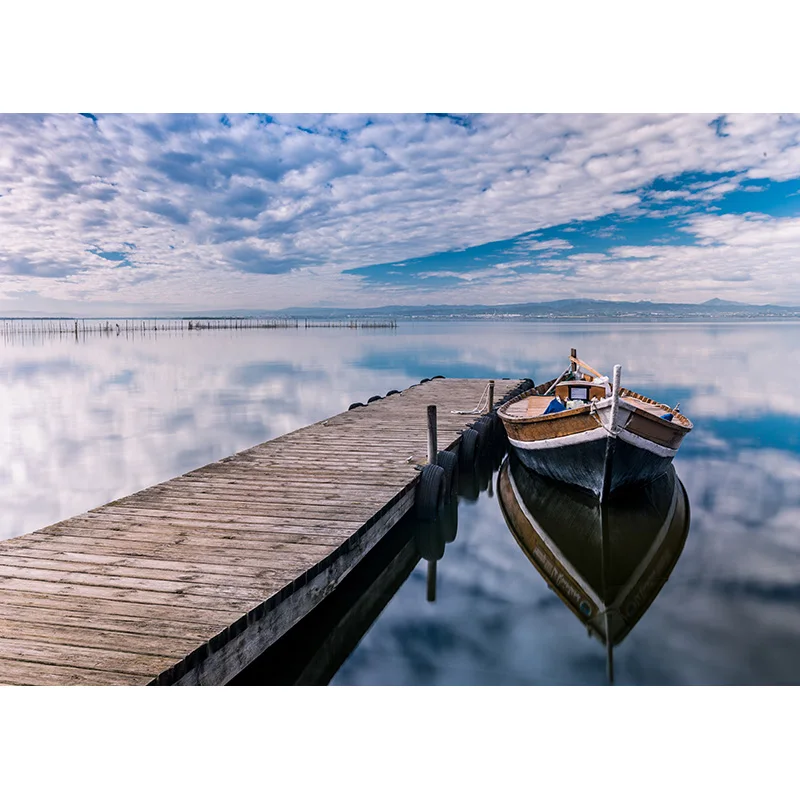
column 189, row 581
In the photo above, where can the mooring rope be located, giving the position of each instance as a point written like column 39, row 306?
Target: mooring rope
column 593, row 413
column 483, row 404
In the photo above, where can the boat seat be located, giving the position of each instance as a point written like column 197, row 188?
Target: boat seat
column 533, row 406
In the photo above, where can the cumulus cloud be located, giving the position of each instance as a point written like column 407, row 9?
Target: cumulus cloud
column 269, row 210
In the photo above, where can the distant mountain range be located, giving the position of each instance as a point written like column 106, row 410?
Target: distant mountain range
column 559, row 309
column 580, row 308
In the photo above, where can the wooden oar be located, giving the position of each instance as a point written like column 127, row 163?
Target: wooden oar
column 556, row 381
column 586, row 367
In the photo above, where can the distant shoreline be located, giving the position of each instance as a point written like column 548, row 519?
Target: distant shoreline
column 579, row 309
column 251, row 322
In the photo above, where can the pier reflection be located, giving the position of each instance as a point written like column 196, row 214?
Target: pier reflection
column 607, row 563
column 431, row 540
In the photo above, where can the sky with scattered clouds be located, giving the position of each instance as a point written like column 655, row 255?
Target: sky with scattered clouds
column 171, row 213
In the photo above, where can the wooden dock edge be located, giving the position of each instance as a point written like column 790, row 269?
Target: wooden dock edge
column 237, row 646
column 229, row 652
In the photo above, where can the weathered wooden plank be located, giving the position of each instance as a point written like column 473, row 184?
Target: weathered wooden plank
column 245, row 592
column 107, row 518
column 14, row 672
column 142, row 512
column 183, row 573
column 221, row 571
column 213, row 555
column 152, row 598
column 42, row 633
column 264, row 494
column 186, row 542
column 64, row 655
column 219, row 507
column 40, row 596
column 180, row 630
column 177, row 536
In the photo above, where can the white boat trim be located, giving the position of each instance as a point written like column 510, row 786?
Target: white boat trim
column 645, row 444
column 581, row 437
column 596, row 434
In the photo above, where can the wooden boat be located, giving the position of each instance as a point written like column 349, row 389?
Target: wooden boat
column 584, row 430
column 607, row 562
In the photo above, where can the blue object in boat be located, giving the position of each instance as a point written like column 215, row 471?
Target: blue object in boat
column 554, row 407
column 667, row 416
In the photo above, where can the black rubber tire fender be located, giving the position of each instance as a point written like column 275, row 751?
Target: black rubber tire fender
column 392, row 391
column 449, row 523
column 484, row 427
column 470, row 447
column 449, row 463
column 429, row 500
column 355, row 405
column 374, row 398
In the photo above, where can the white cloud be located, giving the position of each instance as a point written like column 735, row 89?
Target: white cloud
column 209, row 207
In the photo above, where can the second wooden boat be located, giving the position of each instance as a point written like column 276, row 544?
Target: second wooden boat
column 585, row 430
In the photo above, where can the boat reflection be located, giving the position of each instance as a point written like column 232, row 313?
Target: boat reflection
column 605, row 562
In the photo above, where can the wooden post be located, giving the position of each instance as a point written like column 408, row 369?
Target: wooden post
column 432, row 444
column 573, row 354
column 611, row 441
column 431, row 583
column 491, row 396
column 615, row 398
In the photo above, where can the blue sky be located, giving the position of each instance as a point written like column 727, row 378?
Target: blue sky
column 158, row 213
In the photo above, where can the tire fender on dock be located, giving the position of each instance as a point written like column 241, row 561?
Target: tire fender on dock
column 430, row 498
column 448, row 461
column 470, row 447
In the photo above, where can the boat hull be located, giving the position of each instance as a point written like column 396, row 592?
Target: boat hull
column 581, row 461
column 584, row 446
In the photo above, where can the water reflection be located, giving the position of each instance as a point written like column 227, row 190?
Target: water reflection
column 606, row 562
column 82, row 423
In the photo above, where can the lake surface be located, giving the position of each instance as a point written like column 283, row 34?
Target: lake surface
column 86, row 421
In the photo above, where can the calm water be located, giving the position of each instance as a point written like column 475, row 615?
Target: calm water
column 85, row 422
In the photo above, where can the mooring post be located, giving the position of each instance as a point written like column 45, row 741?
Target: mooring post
column 615, row 398
column 432, row 443
column 491, row 396
column 611, row 441
column 431, row 581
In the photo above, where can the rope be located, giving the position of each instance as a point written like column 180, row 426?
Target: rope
column 593, row 413
column 483, row 404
